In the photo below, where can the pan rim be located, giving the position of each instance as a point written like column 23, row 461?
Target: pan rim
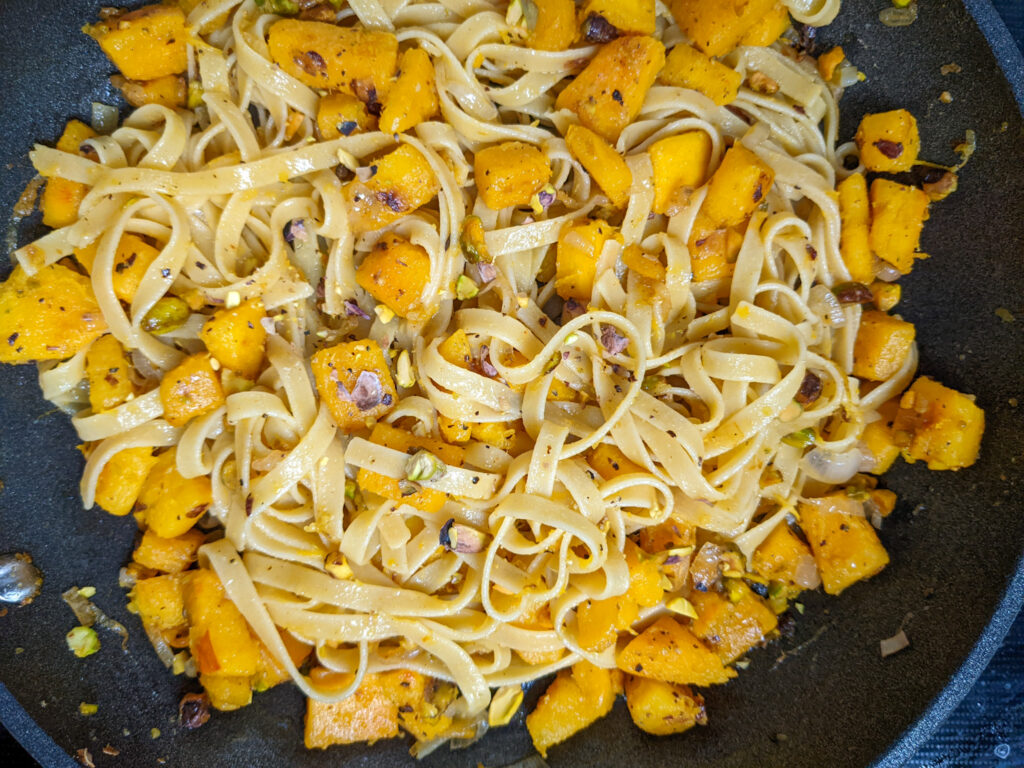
column 45, row 750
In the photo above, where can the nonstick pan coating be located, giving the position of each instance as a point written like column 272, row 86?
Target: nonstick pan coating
column 954, row 583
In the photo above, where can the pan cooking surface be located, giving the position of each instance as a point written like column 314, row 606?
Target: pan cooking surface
column 821, row 697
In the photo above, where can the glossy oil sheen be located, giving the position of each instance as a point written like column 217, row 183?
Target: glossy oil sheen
column 822, row 698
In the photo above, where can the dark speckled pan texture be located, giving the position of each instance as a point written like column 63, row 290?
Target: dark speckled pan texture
column 824, row 698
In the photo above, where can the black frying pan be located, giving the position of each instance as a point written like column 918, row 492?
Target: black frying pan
column 955, row 582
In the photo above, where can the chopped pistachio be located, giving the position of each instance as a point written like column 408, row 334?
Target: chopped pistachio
column 408, row 487
column 384, row 313
column 682, row 606
column 83, row 641
column 471, row 241
column 168, row 314
column 88, row 709
column 336, row 565
column 423, row 465
column 350, row 489
column 465, row 288
column 802, row 439
column 405, row 376
column 87, row 592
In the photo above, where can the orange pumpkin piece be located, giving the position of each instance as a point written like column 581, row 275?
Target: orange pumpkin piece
column 402, row 182
column 663, row 708
column 236, row 337
column 846, row 547
column 732, row 628
column 369, row 714
column 337, row 370
column 190, row 390
column 147, row 43
column 779, row 555
column 123, row 478
column 882, row 345
column 168, row 555
column 938, row 425
column 396, row 273
column 109, row 372
column 161, row 600
column 510, row 173
column 576, row 698
column 171, row 504
column 132, row 259
column 219, row 636
column 670, row 652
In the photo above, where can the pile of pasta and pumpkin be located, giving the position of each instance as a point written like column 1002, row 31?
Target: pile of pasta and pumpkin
column 440, row 347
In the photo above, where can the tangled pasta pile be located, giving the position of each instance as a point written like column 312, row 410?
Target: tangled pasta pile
column 465, row 343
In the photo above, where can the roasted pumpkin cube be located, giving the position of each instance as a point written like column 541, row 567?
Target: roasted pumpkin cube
column 236, row 337
column 579, row 246
column 732, row 628
column 270, row 671
column 342, row 114
column 716, row 27
column 168, row 555
column 602, row 162
column 938, row 425
column 537, row 619
column 738, row 186
column 75, row 133
column 855, row 217
column 347, row 59
column 642, row 263
column 768, row 28
column 147, row 43
column 109, row 372
column 457, row 351
column 610, row 462
column 886, row 295
column 680, row 165
column 879, row 440
column 500, row 434
column 882, row 345
column 888, row 141
column 846, row 547
column 663, row 708
column 396, row 272
column 597, row 623
column 337, row 370
column 60, row 201
column 369, row 714
column 167, row 91
column 227, row 693
column 510, row 173
column 172, row 504
column 191, row 389
column 644, row 577
column 50, row 315
column 713, row 249
column 555, row 29
column 426, row 499
column 219, row 636
column 829, row 61
column 403, row 181
column 413, row 98
column 633, row 17
column 132, row 259
column 686, row 67
column 161, row 600
column 898, row 214
column 780, row 556
column 670, row 652
column 122, row 478
column 609, row 93
column 576, row 698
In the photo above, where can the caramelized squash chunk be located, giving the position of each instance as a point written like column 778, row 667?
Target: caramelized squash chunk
column 631, row 17
column 846, row 547
column 109, row 372
column 370, row 714
column 510, row 173
column 686, row 67
column 855, row 216
column 402, row 182
column 680, row 165
column 50, row 315
column 888, row 141
column 898, row 214
column 171, row 504
column 576, row 698
column 732, row 628
column 122, row 479
column 670, row 652
column 191, row 389
column 579, row 246
column 555, row 29
column 661, row 708
column 227, row 692
column 167, row 91
column 938, row 425
column 145, row 44
column 337, row 371
column 780, row 555
column 602, row 162
column 161, row 600
column 768, row 28
column 717, row 27
column 347, row 59
column 342, row 114
column 882, row 345
column 609, row 93
column 168, row 555
column 132, row 259
column 738, row 186
column 396, row 273
column 236, row 337
column 413, row 98
column 219, row 636
column 61, row 198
